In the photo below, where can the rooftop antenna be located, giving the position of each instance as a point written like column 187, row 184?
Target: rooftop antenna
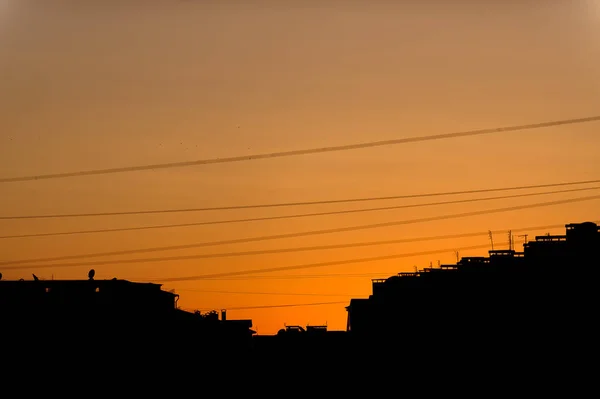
column 491, row 238
column 457, row 256
column 510, row 240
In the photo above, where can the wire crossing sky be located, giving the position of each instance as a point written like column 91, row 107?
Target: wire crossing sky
column 346, row 147
column 346, row 211
column 304, row 233
column 322, row 202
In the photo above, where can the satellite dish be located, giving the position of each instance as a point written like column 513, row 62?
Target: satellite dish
column 91, row 274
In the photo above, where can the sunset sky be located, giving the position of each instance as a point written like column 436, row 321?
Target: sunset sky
column 97, row 84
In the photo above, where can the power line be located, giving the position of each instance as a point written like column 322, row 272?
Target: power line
column 275, row 306
column 264, row 293
column 300, row 152
column 347, row 211
column 285, row 204
column 306, row 233
column 266, row 251
column 232, row 254
column 312, row 265
column 300, row 276
column 287, row 305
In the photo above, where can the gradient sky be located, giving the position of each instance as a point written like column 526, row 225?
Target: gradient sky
column 101, row 84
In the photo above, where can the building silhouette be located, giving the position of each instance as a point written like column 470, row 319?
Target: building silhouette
column 539, row 303
column 117, row 316
column 298, row 341
column 507, row 302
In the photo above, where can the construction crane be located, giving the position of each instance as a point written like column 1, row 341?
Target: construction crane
column 524, row 237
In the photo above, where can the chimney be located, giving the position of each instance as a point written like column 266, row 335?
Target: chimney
column 223, row 315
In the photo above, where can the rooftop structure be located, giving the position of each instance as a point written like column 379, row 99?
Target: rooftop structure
column 548, row 286
column 119, row 313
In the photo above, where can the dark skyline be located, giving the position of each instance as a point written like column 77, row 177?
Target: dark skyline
column 99, row 85
column 481, row 309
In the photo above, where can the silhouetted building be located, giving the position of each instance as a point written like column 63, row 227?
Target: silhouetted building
column 295, row 340
column 84, row 298
column 506, row 299
column 114, row 314
column 509, row 303
column 206, row 333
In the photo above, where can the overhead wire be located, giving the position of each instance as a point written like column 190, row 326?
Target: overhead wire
column 298, row 276
column 242, row 158
column 269, row 270
column 218, row 255
column 301, row 234
column 263, row 293
column 312, row 265
column 265, row 306
column 286, row 305
column 270, row 251
column 345, row 211
column 287, row 204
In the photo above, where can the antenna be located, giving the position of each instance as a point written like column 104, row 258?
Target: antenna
column 491, row 238
column 510, row 241
column 457, row 256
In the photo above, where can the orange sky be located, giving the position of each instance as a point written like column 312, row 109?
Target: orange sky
column 101, row 84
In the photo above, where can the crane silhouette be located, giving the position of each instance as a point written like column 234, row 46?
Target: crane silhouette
column 525, row 237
